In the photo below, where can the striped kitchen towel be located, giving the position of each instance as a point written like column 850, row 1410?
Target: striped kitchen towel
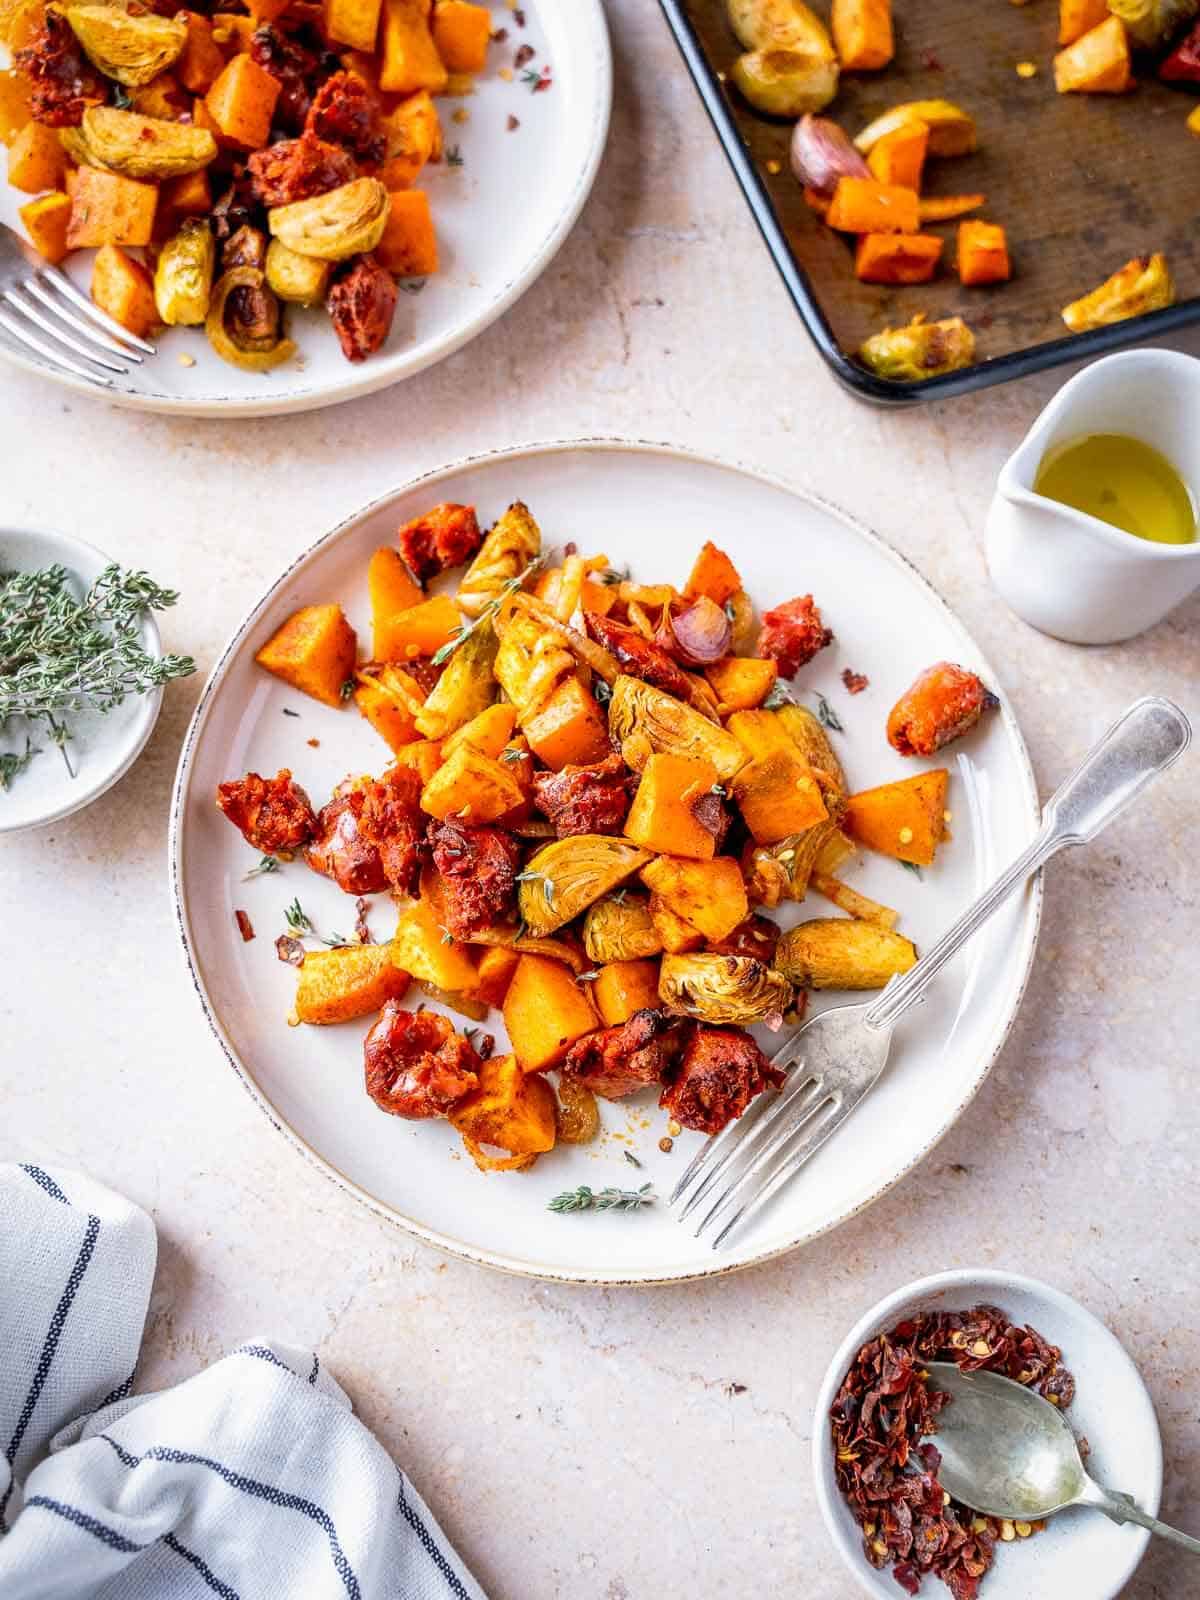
column 251, row 1481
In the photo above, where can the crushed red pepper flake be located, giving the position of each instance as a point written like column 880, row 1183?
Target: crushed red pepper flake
column 245, row 926
column 513, row 123
column 855, row 682
column 290, row 950
column 314, row 743
column 888, row 1476
column 518, row 16
column 499, row 35
column 525, row 54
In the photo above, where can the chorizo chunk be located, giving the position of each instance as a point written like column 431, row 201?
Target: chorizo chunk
column 62, row 82
column 721, row 1072
column 756, row 937
column 614, row 1062
column 945, row 702
column 297, row 69
column 274, row 815
column 585, row 799
column 339, row 850
column 792, row 634
column 297, row 169
column 344, row 111
column 361, row 305
column 390, row 820
column 637, row 655
column 478, row 869
column 447, row 536
column 416, row 1065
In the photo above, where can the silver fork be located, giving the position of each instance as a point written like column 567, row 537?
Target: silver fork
column 836, row 1057
column 42, row 309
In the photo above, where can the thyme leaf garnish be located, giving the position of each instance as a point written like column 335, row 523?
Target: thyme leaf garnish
column 265, row 864
column 911, row 866
column 585, row 1199
column 466, row 629
column 826, row 715
column 300, row 926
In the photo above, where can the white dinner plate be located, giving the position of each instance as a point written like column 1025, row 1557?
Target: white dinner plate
column 649, row 507
column 500, row 217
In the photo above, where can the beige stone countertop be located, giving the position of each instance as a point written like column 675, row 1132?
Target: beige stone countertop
column 589, row 1443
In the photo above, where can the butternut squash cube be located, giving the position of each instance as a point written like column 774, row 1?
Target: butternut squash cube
column 242, row 102
column 389, row 699
column 351, row 981
column 709, row 895
column 202, row 62
column 713, row 575
column 460, row 33
column 488, row 733
column 899, row 157
column 421, row 946
column 16, row 106
column 352, row 22
column 545, row 1011
column 46, row 224
column 661, row 816
column 678, row 936
column 413, row 134
column 410, row 58
column 906, row 820
column 123, row 288
column 36, row 159
column 862, row 34
column 391, row 588
column 741, row 683
column 419, row 630
column 496, row 967
column 408, row 247
column 189, row 195
column 1077, row 17
column 759, row 732
column 109, row 209
column 778, row 795
column 1097, row 63
column 424, row 756
column 314, row 651
column 471, row 787
column 569, row 730
column 624, row 987
column 508, row 1109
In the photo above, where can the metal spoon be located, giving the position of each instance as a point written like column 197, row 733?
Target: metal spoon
column 1008, row 1453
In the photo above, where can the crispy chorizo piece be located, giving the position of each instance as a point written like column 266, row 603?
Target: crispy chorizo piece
column 339, row 850
column 298, row 169
column 945, row 702
column 445, row 537
column 586, row 799
column 416, row 1065
column 361, row 305
column 637, row 655
column 390, row 818
column 274, row 815
column 721, row 1071
column 298, row 69
column 62, row 81
column 478, row 869
column 756, row 937
column 614, row 1062
column 792, row 634
column 711, row 812
column 345, row 111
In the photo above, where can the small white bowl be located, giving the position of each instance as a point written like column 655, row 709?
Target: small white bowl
column 102, row 748
column 1079, row 1552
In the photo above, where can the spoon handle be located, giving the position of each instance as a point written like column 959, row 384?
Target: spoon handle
column 1120, row 1508
column 1138, row 746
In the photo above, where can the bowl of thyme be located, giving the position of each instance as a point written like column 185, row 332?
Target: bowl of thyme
column 82, row 671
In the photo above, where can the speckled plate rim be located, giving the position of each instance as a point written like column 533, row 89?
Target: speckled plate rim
column 382, row 372
column 975, row 1280
column 79, row 555
column 457, row 1247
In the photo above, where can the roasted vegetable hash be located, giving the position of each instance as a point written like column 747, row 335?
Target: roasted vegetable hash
column 597, row 787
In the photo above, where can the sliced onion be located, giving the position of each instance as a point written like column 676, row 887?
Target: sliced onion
column 821, row 154
column 701, row 633
column 260, row 359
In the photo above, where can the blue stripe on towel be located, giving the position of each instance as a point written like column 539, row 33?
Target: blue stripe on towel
column 202, row 1567
column 413, row 1517
column 98, row 1530
column 46, row 1360
column 262, row 1354
column 260, row 1491
column 45, row 1181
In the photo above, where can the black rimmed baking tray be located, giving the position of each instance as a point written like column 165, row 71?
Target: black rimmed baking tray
column 1081, row 182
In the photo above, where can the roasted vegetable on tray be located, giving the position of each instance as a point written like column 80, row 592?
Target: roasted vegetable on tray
column 596, row 789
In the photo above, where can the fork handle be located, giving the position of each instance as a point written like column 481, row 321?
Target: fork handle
column 1142, row 743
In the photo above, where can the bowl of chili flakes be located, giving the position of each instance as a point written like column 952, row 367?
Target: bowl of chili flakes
column 1033, row 1332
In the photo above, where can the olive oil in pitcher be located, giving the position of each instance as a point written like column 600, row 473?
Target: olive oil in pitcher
column 1122, row 481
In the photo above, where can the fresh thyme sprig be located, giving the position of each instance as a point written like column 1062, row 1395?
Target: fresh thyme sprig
column 826, row 715
column 60, row 654
column 585, row 1199
column 546, row 882
column 265, row 864
column 466, row 629
column 300, row 926
column 911, row 866
column 780, row 695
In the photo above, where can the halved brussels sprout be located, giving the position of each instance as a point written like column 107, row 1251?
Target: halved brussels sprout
column 183, row 278
column 842, row 953
column 504, row 554
column 646, row 721
column 805, row 730
column 130, row 49
column 777, row 872
column 785, row 83
column 137, row 146
column 245, row 332
column 920, row 349
column 333, row 226
column 301, row 280
column 723, row 988
column 779, row 24
column 564, row 878
column 620, row 929
column 464, row 689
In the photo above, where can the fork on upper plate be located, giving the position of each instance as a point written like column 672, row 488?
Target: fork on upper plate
column 43, row 311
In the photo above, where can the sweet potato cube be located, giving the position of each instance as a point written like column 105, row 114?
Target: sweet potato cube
column 741, row 683
column 421, row 946
column 189, row 195
column 424, row 756
column 778, row 795
column 488, row 732
column 897, row 257
column 408, row 247
column 471, row 787
column 123, row 288
column 982, row 253
column 242, row 102
column 413, row 134
column 569, row 730
column 109, row 209
column 391, row 588
column 906, row 819
column 899, row 157
column 1077, row 17
column 390, row 699
column 863, row 205
column 202, row 61
column 352, row 22
column 862, row 34
column 677, row 936
column 314, row 651
column 545, row 1011
column 36, row 159
column 1097, row 63
column 496, row 967
column 419, row 630
column 350, row 981
column 661, row 816
column 508, row 1109
column 46, row 224
column 461, row 32
column 709, row 895
column 410, row 58
column 624, row 987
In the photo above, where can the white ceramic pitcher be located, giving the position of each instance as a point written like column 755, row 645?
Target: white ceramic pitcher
column 1072, row 575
